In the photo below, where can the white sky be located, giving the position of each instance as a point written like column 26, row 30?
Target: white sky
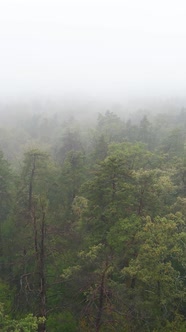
column 92, row 47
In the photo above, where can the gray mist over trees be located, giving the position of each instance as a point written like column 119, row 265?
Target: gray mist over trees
column 92, row 166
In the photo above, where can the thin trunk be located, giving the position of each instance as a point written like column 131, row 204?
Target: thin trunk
column 35, row 233
column 140, row 207
column 42, row 327
column 101, row 300
column 31, row 185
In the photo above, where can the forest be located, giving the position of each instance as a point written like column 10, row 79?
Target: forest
column 92, row 221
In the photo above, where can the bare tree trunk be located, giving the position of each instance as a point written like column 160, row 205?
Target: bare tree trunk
column 39, row 245
column 101, row 300
column 31, row 184
column 42, row 327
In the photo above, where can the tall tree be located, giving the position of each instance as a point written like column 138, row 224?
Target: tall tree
column 32, row 225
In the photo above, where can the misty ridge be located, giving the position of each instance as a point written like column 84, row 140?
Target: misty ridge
column 42, row 122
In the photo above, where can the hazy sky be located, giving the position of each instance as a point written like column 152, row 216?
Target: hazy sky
column 92, row 47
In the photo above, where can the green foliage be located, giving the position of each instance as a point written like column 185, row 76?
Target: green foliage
column 177, row 325
column 62, row 322
column 159, row 285
column 6, row 296
column 5, row 193
column 94, row 236
column 110, row 127
column 26, row 324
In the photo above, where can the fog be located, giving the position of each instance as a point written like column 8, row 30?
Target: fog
column 102, row 49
